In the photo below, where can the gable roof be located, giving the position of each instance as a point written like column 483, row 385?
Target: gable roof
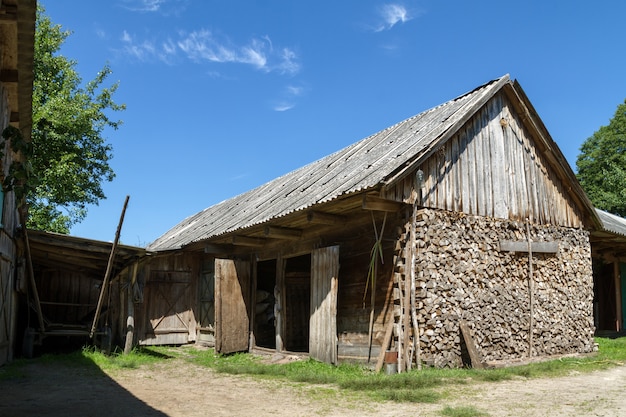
column 376, row 161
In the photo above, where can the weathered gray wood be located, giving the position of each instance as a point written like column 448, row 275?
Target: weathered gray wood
column 522, row 246
column 232, row 288
column 130, row 320
column 323, row 321
column 477, row 362
column 385, row 345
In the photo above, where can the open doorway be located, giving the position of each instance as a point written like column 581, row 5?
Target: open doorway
column 297, row 303
column 264, row 320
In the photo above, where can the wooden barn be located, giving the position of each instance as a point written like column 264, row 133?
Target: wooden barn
column 458, row 234
column 17, row 32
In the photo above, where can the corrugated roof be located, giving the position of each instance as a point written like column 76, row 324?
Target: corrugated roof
column 612, row 223
column 361, row 166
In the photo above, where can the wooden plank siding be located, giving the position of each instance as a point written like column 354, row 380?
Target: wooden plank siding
column 492, row 168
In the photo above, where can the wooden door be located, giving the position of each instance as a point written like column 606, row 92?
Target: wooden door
column 323, row 322
column 169, row 298
column 232, row 301
column 206, row 303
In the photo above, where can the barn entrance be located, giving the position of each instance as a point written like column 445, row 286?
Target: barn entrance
column 297, row 303
column 609, row 281
column 295, row 306
column 264, row 319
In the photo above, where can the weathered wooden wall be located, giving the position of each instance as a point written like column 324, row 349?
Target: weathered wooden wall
column 463, row 275
column 8, row 249
column 354, row 302
column 69, row 297
column 165, row 308
column 492, row 167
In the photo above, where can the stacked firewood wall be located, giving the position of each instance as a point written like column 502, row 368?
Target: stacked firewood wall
column 461, row 274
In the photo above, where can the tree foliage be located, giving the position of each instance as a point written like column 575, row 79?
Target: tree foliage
column 601, row 165
column 71, row 156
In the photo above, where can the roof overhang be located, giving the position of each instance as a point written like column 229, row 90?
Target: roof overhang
column 64, row 252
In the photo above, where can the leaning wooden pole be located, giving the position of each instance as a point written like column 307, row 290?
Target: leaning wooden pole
column 531, row 290
column 31, row 272
column 107, row 274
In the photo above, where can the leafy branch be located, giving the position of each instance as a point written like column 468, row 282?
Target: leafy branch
column 20, row 178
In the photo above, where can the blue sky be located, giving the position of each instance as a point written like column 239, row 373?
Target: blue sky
column 223, row 96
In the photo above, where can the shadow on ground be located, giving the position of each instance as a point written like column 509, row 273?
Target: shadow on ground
column 54, row 387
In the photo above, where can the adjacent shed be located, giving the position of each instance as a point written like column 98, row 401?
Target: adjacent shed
column 17, row 31
column 68, row 274
column 608, row 248
column 461, row 229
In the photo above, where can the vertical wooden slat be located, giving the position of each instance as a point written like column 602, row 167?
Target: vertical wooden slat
column 323, row 321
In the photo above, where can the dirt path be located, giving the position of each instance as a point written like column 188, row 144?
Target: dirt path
column 177, row 388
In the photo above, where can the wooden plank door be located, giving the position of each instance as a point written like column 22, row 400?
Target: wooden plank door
column 232, row 301
column 169, row 298
column 323, row 322
column 206, row 303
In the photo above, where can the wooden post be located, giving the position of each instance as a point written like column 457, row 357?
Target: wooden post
column 416, row 330
column 279, row 303
column 618, row 295
column 530, row 290
column 130, row 320
column 107, row 274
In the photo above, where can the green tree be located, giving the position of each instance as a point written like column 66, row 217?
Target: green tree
column 601, row 165
column 71, row 157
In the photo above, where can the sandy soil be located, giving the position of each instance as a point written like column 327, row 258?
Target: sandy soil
column 177, row 388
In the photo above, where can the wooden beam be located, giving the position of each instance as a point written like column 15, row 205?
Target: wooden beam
column 319, row 217
column 475, row 358
column 247, row 241
column 215, row 249
column 8, row 14
column 371, row 202
column 282, row 232
column 522, row 246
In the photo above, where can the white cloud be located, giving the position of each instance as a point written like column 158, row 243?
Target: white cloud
column 163, row 7
column 287, row 101
column 203, row 45
column 392, row 14
column 144, row 5
column 284, row 106
column 206, row 46
column 294, row 90
column 141, row 51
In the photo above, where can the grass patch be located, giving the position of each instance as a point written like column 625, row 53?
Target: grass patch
column 137, row 357
column 425, row 386
column 462, row 412
column 415, row 386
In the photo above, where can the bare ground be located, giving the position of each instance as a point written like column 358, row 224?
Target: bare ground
column 178, row 388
